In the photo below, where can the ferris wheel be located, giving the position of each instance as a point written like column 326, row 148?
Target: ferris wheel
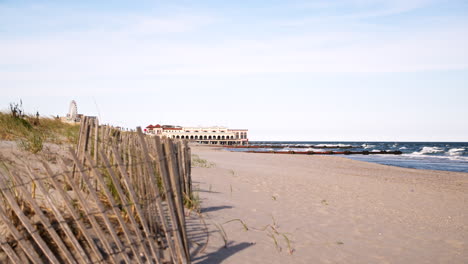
column 72, row 111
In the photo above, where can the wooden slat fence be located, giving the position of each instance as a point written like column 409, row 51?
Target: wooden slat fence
column 118, row 198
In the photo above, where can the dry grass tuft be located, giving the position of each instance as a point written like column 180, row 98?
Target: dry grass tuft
column 201, row 163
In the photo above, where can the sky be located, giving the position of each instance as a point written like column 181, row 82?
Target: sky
column 319, row 70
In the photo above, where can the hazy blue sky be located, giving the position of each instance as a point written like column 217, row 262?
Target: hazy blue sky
column 286, row 70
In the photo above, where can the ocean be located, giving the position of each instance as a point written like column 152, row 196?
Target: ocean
column 445, row 156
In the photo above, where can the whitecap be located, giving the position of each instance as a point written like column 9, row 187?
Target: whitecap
column 343, row 145
column 456, row 151
column 429, row 150
column 324, row 145
column 333, row 145
column 314, row 150
column 403, row 148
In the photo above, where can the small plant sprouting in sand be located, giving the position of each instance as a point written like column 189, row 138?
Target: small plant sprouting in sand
column 278, row 248
column 271, row 230
column 274, row 221
column 202, row 163
column 223, row 234
column 273, row 198
column 274, row 234
column 288, row 243
column 339, row 243
column 232, row 172
column 324, row 202
column 246, row 228
column 193, row 203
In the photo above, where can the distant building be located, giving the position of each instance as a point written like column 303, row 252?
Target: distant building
column 203, row 135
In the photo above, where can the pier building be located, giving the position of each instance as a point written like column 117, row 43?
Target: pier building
column 203, row 135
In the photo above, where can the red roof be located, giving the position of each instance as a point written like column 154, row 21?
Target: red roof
column 172, row 128
column 156, row 126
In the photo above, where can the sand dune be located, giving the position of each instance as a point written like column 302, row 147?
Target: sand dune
column 333, row 210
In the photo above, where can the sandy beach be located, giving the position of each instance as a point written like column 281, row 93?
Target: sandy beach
column 331, row 209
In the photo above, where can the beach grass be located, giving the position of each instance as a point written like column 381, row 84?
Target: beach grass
column 193, row 202
column 32, row 132
column 201, row 163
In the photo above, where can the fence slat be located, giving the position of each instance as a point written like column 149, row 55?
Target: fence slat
column 174, row 179
column 84, row 176
column 61, row 220
column 96, row 138
column 114, row 206
column 25, row 244
column 134, row 200
column 126, row 204
column 170, row 192
column 152, row 179
column 91, row 216
column 76, row 215
column 27, row 224
column 45, row 221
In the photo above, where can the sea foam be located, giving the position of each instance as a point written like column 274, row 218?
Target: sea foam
column 333, row 145
column 429, row 150
column 456, row 151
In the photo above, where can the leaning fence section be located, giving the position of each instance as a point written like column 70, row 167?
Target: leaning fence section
column 117, row 198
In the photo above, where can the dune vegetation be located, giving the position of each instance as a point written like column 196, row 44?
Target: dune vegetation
column 32, row 131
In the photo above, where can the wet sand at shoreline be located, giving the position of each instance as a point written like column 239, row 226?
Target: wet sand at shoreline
column 331, row 209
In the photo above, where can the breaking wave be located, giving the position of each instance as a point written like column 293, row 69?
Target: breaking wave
column 451, row 156
column 428, row 150
column 333, row 145
column 456, row 151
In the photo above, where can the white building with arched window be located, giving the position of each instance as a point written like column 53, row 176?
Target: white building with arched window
column 203, row 135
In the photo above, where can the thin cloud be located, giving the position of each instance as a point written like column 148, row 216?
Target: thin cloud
column 178, row 24
column 162, row 48
column 353, row 10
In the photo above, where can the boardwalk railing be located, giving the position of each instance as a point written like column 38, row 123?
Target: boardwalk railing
column 118, row 198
